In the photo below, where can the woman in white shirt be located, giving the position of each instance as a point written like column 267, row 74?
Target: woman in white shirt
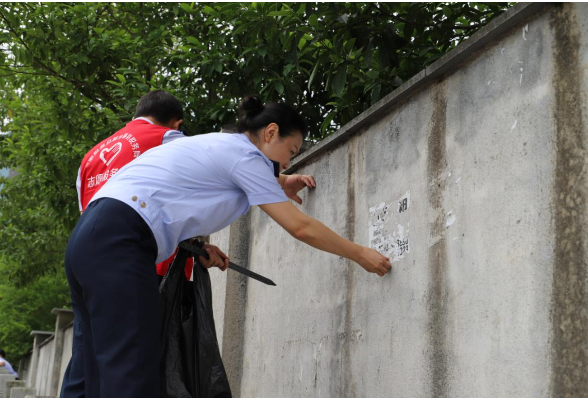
column 189, row 187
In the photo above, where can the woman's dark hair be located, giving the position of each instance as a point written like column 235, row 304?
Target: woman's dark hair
column 254, row 115
column 159, row 105
column 2, row 353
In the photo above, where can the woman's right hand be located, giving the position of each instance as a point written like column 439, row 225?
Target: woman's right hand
column 216, row 258
column 314, row 233
column 372, row 261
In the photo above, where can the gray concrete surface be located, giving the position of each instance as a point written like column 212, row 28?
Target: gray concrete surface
column 219, row 282
column 43, row 378
column 474, row 182
column 67, row 352
column 4, row 378
column 39, row 338
column 11, row 385
column 63, row 321
column 20, row 393
column 24, row 367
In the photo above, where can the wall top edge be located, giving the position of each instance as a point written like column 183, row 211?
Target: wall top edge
column 41, row 333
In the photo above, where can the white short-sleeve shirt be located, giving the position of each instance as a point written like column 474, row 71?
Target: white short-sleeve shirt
column 195, row 186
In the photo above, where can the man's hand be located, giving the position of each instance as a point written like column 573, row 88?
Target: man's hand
column 216, row 258
column 292, row 184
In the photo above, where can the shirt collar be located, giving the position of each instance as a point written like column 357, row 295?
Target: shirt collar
column 145, row 119
column 275, row 166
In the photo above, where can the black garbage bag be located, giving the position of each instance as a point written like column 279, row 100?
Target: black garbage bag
column 191, row 364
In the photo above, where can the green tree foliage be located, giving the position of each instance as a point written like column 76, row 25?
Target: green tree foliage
column 71, row 74
column 24, row 310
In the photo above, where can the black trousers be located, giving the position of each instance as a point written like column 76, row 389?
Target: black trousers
column 110, row 266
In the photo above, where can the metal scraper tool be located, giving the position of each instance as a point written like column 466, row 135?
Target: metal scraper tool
column 197, row 250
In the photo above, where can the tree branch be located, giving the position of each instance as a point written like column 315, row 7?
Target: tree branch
column 400, row 19
column 21, row 72
column 84, row 91
column 118, row 21
column 45, row 67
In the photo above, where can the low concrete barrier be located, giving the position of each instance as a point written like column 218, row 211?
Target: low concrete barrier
column 4, row 378
column 22, row 392
column 11, row 385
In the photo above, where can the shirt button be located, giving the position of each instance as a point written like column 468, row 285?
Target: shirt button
column 134, row 198
column 142, row 204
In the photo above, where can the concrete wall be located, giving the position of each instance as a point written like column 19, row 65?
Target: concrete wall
column 24, row 367
column 41, row 371
column 219, row 280
column 45, row 364
column 472, row 177
column 66, row 356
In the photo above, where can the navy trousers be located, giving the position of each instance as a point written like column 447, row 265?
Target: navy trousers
column 110, row 266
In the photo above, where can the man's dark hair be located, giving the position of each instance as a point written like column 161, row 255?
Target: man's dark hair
column 160, row 105
column 2, row 353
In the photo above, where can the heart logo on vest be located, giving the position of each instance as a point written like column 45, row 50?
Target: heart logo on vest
column 109, row 153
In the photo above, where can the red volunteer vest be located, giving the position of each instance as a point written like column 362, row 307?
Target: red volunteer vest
column 113, row 153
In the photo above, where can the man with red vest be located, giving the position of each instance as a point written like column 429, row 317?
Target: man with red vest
column 156, row 122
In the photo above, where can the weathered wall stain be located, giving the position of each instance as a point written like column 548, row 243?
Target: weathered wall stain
column 348, row 386
column 341, row 374
column 570, row 300
column 437, row 296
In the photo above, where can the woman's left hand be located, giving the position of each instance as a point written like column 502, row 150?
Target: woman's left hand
column 295, row 183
